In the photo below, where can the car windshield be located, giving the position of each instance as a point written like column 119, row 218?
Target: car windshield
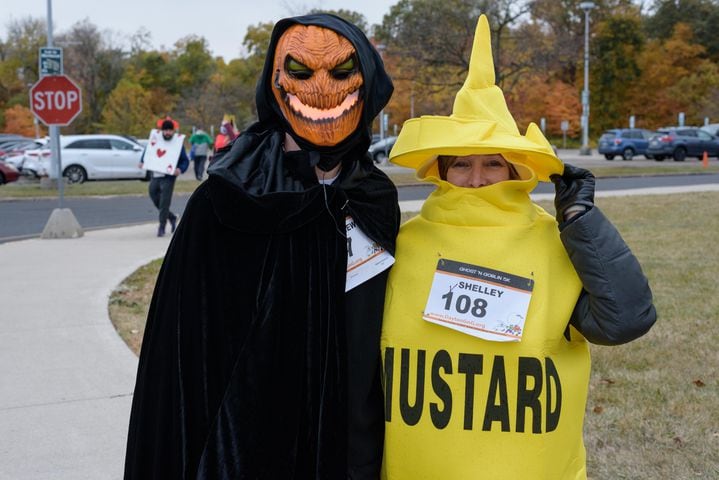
column 607, row 136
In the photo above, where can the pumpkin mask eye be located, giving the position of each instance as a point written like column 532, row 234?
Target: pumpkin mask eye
column 345, row 69
column 297, row 70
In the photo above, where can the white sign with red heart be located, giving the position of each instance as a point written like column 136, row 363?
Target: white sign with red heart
column 162, row 155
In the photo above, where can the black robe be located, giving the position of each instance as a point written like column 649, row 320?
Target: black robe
column 255, row 362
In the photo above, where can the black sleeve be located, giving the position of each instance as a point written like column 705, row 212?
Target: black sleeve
column 364, row 306
column 615, row 305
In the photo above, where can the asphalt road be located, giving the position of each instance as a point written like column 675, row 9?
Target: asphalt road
column 21, row 219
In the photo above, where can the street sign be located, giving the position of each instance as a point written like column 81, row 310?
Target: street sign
column 55, row 100
column 50, row 61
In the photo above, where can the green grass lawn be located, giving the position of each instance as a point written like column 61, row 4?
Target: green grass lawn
column 653, row 406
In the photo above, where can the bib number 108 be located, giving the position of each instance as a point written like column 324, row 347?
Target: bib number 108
column 464, row 304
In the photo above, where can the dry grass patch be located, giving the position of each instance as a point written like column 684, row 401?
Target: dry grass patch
column 130, row 302
column 89, row 189
column 653, row 406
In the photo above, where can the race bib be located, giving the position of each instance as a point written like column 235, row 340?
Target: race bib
column 478, row 301
column 365, row 258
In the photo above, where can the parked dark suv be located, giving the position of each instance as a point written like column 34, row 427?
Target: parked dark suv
column 626, row 142
column 682, row 142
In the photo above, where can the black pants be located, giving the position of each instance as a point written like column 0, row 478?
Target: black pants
column 161, row 195
column 200, row 166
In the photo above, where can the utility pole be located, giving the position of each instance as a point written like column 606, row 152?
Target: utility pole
column 62, row 223
column 585, row 150
column 382, row 133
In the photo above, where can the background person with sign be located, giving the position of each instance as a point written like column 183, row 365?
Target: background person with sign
column 489, row 307
column 165, row 157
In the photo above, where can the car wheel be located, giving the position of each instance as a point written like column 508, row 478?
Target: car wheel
column 380, row 157
column 628, row 154
column 2, row 178
column 608, row 156
column 659, row 158
column 680, row 154
column 75, row 174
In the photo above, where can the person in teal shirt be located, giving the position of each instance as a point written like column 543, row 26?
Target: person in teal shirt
column 200, row 150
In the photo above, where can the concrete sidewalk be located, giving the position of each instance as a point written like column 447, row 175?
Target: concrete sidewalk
column 66, row 377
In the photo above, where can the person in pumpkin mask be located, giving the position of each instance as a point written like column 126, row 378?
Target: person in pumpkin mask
column 273, row 370
column 491, row 301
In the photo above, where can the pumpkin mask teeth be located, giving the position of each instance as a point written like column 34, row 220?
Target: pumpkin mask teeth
column 318, row 84
column 311, row 113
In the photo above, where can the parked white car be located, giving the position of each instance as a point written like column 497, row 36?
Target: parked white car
column 96, row 157
column 379, row 151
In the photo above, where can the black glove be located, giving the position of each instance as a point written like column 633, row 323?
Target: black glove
column 575, row 187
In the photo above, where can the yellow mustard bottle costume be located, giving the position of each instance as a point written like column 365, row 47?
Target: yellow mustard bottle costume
column 458, row 406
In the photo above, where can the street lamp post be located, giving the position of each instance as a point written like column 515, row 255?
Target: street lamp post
column 380, row 48
column 585, row 150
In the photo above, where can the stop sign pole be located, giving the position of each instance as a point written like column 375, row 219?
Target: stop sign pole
column 56, row 100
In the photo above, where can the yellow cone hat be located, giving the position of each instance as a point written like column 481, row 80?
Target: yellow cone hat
column 480, row 123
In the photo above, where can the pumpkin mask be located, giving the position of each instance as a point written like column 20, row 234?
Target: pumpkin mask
column 316, row 83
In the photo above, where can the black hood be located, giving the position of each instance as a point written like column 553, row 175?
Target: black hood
column 376, row 91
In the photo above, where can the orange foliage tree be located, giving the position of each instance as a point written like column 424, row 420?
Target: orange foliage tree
column 19, row 120
column 536, row 96
column 676, row 77
column 616, row 45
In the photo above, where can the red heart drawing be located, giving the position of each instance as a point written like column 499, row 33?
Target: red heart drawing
column 160, row 152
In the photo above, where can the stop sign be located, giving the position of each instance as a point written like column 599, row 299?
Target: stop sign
column 55, row 100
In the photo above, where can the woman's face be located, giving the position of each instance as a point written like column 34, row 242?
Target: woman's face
column 474, row 171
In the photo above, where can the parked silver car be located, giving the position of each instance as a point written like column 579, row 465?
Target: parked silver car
column 20, row 153
column 379, row 151
column 96, row 157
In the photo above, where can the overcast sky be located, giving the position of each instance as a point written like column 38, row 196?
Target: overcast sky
column 223, row 23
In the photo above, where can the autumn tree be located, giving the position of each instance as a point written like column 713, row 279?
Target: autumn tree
column 538, row 96
column 196, row 82
column 675, row 77
column 562, row 21
column 127, row 110
column 24, row 39
column 239, row 79
column 351, row 16
column 20, row 120
column 96, row 65
column 194, row 64
column 428, row 44
column 236, row 90
column 616, row 46
column 19, row 61
column 702, row 16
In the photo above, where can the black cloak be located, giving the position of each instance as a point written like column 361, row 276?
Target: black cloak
column 255, row 363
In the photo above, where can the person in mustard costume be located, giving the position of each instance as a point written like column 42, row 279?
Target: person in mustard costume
column 491, row 301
